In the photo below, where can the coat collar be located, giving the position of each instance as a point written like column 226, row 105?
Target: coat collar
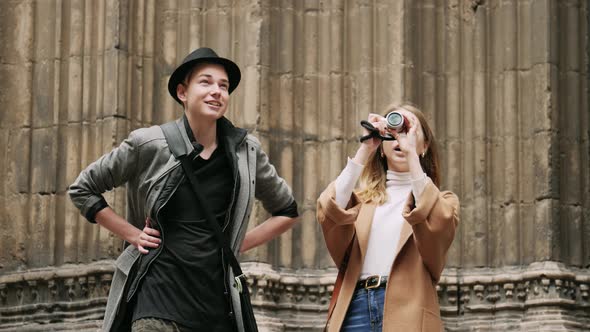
column 226, row 131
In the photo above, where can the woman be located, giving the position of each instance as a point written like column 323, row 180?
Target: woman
column 173, row 276
column 398, row 227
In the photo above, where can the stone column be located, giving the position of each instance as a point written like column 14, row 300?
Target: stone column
column 506, row 83
column 59, row 113
column 325, row 66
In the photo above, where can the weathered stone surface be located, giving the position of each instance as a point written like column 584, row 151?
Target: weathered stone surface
column 504, row 85
column 16, row 81
column 43, row 160
column 16, row 31
column 18, row 163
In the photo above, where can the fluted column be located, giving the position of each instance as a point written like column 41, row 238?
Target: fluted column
column 504, row 83
column 15, row 128
column 511, row 117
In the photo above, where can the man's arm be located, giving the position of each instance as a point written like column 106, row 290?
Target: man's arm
column 269, row 229
column 148, row 238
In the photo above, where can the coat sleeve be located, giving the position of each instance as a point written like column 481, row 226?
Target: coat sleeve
column 109, row 171
column 433, row 220
column 337, row 223
column 272, row 190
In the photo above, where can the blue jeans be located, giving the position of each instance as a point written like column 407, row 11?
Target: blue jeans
column 365, row 312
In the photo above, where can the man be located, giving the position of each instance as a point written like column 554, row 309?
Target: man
column 181, row 282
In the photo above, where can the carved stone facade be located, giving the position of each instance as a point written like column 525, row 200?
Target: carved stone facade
column 504, row 83
column 541, row 296
column 69, row 297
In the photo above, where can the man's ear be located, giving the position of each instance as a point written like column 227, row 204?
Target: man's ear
column 181, row 92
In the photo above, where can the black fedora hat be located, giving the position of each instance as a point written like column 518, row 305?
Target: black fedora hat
column 203, row 55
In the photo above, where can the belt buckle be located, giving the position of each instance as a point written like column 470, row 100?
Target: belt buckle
column 370, row 279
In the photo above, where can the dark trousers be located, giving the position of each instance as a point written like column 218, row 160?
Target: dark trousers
column 154, row 325
column 163, row 325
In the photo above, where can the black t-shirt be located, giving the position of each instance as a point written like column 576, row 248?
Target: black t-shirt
column 185, row 283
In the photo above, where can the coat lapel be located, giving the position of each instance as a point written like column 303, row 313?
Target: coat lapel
column 406, row 227
column 403, row 237
column 363, row 226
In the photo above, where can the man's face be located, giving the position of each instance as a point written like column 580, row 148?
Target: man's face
column 205, row 93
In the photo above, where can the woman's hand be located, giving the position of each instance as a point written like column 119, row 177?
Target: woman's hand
column 148, row 238
column 369, row 146
column 378, row 122
column 408, row 141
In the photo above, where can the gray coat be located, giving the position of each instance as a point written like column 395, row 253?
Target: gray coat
column 145, row 164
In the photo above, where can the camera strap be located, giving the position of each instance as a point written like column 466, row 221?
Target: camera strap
column 374, row 133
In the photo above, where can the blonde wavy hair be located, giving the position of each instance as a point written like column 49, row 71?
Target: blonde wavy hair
column 374, row 175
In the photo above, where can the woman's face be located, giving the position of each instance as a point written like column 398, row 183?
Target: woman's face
column 396, row 159
column 206, row 93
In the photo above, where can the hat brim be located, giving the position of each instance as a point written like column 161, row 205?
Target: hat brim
column 233, row 73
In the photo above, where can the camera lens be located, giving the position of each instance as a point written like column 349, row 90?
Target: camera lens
column 394, row 120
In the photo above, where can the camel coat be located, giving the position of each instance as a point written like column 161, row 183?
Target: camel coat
column 411, row 301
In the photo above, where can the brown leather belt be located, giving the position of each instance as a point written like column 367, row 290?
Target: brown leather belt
column 375, row 281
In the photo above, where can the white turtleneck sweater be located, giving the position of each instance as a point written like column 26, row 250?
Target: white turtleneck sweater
column 387, row 221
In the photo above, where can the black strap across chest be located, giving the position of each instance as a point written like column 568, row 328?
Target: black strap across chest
column 177, row 146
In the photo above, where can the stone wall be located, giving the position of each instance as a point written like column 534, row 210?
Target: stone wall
column 504, row 83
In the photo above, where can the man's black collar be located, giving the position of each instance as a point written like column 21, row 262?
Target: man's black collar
column 226, row 133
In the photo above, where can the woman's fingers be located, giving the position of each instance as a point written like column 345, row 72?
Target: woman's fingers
column 413, row 124
column 377, row 121
column 412, row 129
column 380, row 126
column 375, row 117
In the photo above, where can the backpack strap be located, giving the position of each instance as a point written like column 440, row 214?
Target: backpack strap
column 174, row 139
column 178, row 148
